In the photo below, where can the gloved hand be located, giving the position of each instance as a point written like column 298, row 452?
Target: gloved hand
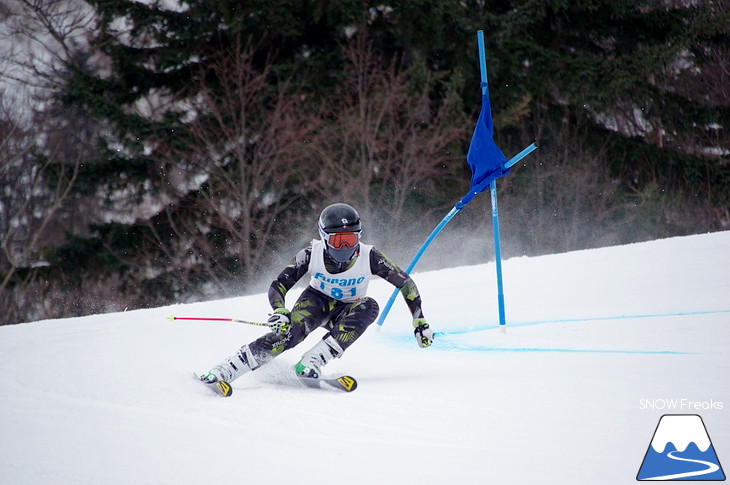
column 279, row 321
column 424, row 335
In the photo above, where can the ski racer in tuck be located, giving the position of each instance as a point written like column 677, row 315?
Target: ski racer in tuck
column 339, row 267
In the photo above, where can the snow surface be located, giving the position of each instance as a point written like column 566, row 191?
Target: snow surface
column 599, row 346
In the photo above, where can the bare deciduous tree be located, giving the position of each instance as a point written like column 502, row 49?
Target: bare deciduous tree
column 39, row 39
column 36, row 185
column 249, row 147
column 384, row 142
column 40, row 157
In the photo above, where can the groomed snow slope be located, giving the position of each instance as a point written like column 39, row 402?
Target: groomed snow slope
column 598, row 344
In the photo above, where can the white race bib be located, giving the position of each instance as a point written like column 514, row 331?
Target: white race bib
column 350, row 285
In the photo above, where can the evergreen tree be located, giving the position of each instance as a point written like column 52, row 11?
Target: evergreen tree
column 206, row 151
column 624, row 67
column 198, row 133
column 203, row 118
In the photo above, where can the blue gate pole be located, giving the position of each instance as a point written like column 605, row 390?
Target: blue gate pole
column 497, row 252
column 493, row 191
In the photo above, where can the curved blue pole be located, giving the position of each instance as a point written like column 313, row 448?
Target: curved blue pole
column 418, row 255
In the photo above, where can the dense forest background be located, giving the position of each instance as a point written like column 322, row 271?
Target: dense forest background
column 162, row 151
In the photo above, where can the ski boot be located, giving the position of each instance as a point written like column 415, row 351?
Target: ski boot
column 311, row 363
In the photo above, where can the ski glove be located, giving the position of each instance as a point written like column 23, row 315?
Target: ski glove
column 279, row 321
column 424, row 335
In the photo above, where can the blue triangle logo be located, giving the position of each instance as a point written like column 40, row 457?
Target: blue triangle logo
column 681, row 450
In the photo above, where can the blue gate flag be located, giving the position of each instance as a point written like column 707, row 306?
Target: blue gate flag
column 486, row 160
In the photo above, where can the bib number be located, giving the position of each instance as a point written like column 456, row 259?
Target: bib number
column 337, row 293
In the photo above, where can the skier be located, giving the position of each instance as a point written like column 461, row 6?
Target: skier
column 339, row 267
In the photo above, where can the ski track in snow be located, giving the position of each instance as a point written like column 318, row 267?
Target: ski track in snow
column 555, row 399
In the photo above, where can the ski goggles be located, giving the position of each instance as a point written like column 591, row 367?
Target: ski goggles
column 339, row 240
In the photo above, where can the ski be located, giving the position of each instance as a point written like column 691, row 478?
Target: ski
column 341, row 383
column 222, row 388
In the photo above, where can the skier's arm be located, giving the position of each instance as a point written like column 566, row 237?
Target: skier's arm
column 293, row 272
column 383, row 267
column 380, row 265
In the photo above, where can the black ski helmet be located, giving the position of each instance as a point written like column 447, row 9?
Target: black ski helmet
column 339, row 218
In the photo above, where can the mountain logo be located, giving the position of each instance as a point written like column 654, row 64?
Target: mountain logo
column 681, row 450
